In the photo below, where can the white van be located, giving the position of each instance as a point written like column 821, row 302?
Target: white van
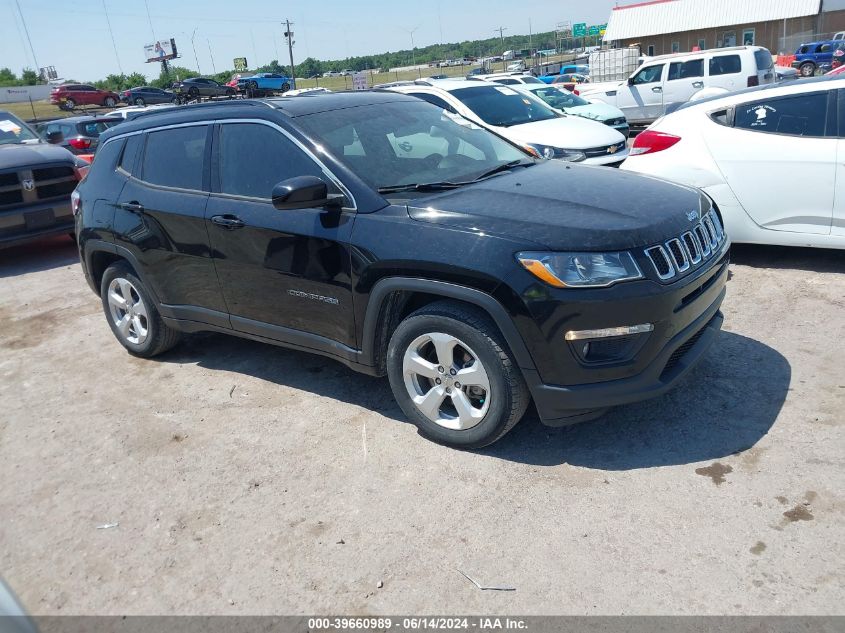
column 664, row 82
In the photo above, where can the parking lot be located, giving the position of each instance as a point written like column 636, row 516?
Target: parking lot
column 234, row 477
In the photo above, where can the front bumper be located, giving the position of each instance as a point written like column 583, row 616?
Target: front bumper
column 686, row 318
column 611, row 159
column 33, row 222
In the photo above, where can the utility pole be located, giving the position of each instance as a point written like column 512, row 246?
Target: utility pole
column 289, row 36
column 501, row 31
column 210, row 54
column 26, row 30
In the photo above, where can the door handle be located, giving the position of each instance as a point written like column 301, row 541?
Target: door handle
column 657, row 89
column 132, row 207
column 229, row 222
column 697, row 84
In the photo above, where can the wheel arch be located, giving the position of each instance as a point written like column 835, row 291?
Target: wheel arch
column 393, row 298
column 99, row 255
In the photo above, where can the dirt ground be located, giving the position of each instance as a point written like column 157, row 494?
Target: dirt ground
column 245, row 478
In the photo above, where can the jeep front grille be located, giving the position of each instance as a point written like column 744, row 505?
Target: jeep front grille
column 680, row 254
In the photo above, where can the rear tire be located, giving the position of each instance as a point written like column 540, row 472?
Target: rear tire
column 807, row 70
column 452, row 374
column 109, row 102
column 132, row 314
column 139, row 102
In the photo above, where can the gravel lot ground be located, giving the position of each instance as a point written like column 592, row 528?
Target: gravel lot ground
column 250, row 479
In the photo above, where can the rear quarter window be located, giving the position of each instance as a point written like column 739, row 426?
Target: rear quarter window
column 794, row 115
column 725, row 65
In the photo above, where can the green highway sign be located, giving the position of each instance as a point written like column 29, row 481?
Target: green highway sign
column 593, row 30
column 579, row 30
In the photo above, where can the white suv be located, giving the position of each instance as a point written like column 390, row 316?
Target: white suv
column 663, row 83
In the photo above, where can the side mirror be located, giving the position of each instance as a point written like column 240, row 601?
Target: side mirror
column 304, row 192
column 55, row 137
column 630, row 81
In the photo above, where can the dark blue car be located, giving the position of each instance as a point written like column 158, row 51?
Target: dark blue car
column 815, row 56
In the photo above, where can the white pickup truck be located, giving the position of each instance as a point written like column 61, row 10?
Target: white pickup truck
column 662, row 83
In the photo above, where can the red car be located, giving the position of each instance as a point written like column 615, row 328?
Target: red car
column 68, row 96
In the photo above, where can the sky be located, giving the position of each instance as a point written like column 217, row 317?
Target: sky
column 74, row 36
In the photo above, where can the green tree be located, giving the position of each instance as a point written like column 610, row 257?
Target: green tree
column 7, row 77
column 29, row 77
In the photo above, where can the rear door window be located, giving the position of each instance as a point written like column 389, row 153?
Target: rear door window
column 176, row 157
column 686, row 70
column 725, row 65
column 794, row 115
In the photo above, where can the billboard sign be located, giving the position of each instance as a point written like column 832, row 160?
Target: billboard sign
column 160, row 50
column 579, row 30
column 240, row 64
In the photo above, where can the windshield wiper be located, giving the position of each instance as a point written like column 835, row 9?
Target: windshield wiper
column 421, row 186
column 504, row 167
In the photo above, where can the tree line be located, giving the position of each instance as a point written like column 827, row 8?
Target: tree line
column 310, row 66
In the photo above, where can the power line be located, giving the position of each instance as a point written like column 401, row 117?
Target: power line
column 152, row 30
column 113, row 43
column 26, row 30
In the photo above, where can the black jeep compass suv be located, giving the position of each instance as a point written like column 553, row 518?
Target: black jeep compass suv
column 402, row 240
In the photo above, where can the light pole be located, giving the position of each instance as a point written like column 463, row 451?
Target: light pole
column 413, row 51
column 210, row 54
column 196, row 59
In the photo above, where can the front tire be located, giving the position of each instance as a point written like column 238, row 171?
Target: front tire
column 807, row 70
column 109, row 102
column 69, row 104
column 132, row 314
column 454, row 377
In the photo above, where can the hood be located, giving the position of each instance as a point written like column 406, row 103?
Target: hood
column 568, row 207
column 595, row 88
column 570, row 132
column 596, row 111
column 17, row 156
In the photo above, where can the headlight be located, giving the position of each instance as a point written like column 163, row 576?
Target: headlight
column 547, row 151
column 581, row 270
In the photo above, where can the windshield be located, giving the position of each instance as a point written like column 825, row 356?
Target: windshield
column 406, row 143
column 503, row 106
column 13, row 130
column 560, row 99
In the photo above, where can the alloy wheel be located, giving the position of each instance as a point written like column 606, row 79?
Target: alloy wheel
column 128, row 311
column 446, row 381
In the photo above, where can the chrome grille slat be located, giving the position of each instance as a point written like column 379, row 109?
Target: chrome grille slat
column 679, row 255
column 691, row 249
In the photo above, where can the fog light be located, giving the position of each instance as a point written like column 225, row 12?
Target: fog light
column 609, row 345
column 578, row 335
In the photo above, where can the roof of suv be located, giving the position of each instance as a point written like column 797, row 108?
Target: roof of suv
column 298, row 105
column 711, row 51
